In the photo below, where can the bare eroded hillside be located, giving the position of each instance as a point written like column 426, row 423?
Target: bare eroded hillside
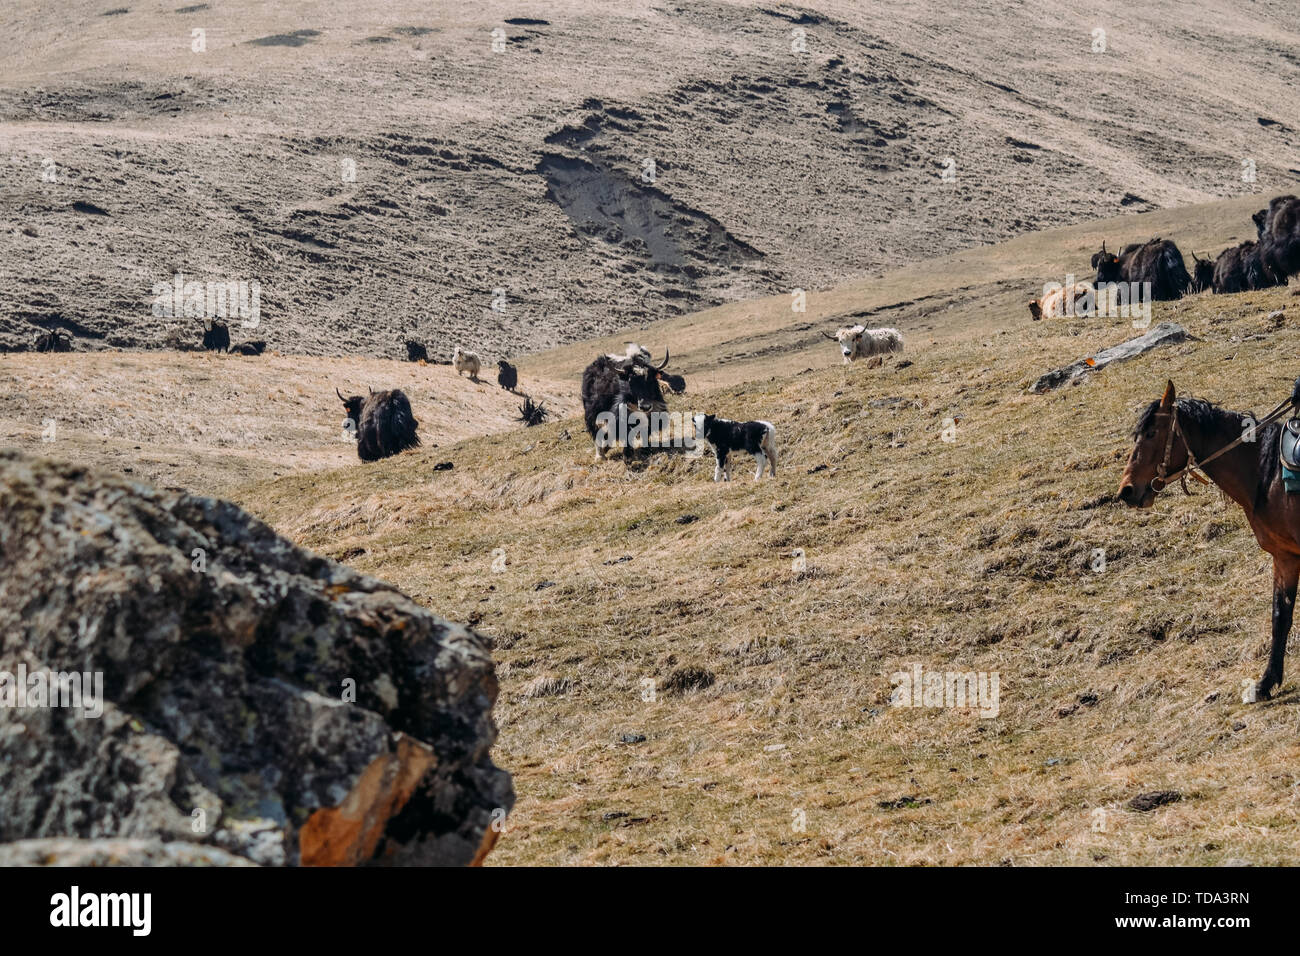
column 517, row 176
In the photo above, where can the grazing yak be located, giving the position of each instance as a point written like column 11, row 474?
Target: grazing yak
column 1202, row 273
column 53, row 341
column 415, row 352
column 1266, row 261
column 858, row 341
column 629, row 382
column 1061, row 300
column 382, row 422
column 507, row 375
column 1156, row 261
column 463, row 360
column 216, row 337
column 758, row 438
column 1240, row 269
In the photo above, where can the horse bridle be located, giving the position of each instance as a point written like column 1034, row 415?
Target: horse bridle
column 1193, row 467
column 1162, row 479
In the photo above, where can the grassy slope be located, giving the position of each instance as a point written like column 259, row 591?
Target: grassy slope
column 969, row 555
column 210, row 422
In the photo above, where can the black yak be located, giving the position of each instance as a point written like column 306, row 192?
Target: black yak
column 415, row 352
column 1157, row 261
column 507, row 376
column 1266, row 217
column 1238, row 269
column 216, row 338
column 382, row 423
column 629, row 384
column 1242, row 268
column 1278, row 228
column 250, row 348
column 1202, row 273
column 1245, row 267
column 54, row 341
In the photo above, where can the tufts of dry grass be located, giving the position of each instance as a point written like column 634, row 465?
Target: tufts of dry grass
column 783, row 609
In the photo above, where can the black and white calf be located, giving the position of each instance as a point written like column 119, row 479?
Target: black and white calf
column 757, row 438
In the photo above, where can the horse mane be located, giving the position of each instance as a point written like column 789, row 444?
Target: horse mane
column 1206, row 415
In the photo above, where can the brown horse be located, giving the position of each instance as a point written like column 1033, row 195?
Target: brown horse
column 1240, row 455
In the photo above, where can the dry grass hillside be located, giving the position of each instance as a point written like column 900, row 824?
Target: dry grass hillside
column 212, row 422
column 948, row 299
column 769, row 618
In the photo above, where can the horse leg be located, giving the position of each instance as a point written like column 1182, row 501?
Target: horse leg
column 1285, row 573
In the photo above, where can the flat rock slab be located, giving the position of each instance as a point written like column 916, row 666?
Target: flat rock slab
column 1166, row 333
column 234, row 691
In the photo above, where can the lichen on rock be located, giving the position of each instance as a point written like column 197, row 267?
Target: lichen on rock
column 257, row 698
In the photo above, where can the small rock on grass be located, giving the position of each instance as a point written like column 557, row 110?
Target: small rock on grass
column 1146, row 802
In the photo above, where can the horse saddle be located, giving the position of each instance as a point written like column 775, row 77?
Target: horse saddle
column 1289, row 450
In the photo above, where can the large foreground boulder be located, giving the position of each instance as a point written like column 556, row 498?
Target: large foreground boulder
column 256, row 698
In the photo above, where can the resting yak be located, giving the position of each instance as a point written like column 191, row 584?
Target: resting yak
column 1157, row 261
column 631, row 382
column 1259, row 263
column 382, row 422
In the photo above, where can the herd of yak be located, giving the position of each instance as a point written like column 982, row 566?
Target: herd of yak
column 384, row 424
column 1268, row 260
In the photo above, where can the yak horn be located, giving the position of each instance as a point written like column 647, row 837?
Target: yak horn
column 340, row 395
column 664, row 364
column 829, row 336
column 372, row 391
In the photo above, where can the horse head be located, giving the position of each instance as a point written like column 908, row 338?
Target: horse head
column 1159, row 450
